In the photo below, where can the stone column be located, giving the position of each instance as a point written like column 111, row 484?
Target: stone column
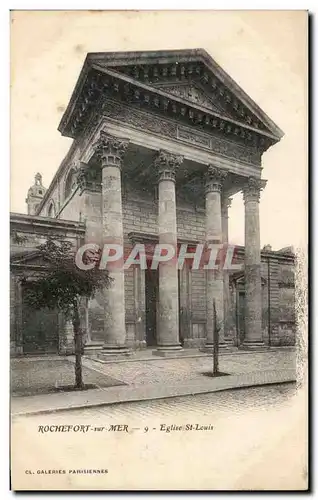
column 89, row 182
column 185, row 306
column 111, row 151
column 213, row 235
column 225, row 204
column 253, row 288
column 168, row 318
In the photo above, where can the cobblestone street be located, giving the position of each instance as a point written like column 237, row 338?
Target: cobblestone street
column 200, row 405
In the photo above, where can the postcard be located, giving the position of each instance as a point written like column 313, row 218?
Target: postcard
column 158, row 250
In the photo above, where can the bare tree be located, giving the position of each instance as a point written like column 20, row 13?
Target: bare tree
column 62, row 288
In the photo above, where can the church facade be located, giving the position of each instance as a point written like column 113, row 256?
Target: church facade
column 161, row 142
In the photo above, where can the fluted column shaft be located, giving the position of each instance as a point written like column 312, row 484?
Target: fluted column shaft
column 111, row 151
column 168, row 327
column 213, row 235
column 253, row 290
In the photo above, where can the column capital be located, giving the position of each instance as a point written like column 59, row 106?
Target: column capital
column 214, row 179
column 167, row 164
column 253, row 188
column 110, row 149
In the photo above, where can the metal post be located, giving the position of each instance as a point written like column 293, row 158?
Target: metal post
column 215, row 342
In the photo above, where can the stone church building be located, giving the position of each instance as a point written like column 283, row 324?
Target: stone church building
column 161, row 142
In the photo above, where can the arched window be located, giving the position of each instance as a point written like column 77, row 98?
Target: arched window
column 70, row 183
column 51, row 210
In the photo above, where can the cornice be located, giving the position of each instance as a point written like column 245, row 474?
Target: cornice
column 140, row 237
column 45, row 223
column 162, row 126
column 143, row 60
column 162, row 93
column 244, row 97
column 109, row 83
column 265, row 254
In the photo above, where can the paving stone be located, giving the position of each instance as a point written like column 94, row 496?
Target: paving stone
column 167, row 371
column 165, row 378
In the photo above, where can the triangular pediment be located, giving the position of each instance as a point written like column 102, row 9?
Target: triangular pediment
column 193, row 93
column 29, row 258
column 191, row 77
column 193, row 67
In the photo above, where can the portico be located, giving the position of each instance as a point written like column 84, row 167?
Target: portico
column 170, row 179
column 162, row 140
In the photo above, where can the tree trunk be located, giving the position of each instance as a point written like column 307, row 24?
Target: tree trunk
column 215, row 342
column 78, row 348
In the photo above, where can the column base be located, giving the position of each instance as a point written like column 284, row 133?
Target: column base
column 93, row 348
column 67, row 351
column 141, row 344
column 209, row 348
column 229, row 342
column 253, row 345
column 116, row 352
column 168, row 351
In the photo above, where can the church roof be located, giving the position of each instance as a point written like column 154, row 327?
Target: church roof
column 187, row 84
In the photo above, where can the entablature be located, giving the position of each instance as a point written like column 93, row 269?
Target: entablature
column 116, row 112
column 167, row 139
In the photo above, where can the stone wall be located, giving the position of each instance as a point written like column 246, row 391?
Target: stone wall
column 139, row 216
column 55, row 197
column 198, row 305
column 283, row 304
column 56, row 191
column 13, row 315
column 73, row 208
column 190, row 223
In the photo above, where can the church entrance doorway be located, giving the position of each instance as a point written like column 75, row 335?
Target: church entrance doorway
column 40, row 330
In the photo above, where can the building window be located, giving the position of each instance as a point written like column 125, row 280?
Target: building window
column 51, row 210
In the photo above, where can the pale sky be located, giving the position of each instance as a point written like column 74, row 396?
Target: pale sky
column 265, row 52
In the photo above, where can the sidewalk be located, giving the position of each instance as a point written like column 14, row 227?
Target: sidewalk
column 164, row 378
